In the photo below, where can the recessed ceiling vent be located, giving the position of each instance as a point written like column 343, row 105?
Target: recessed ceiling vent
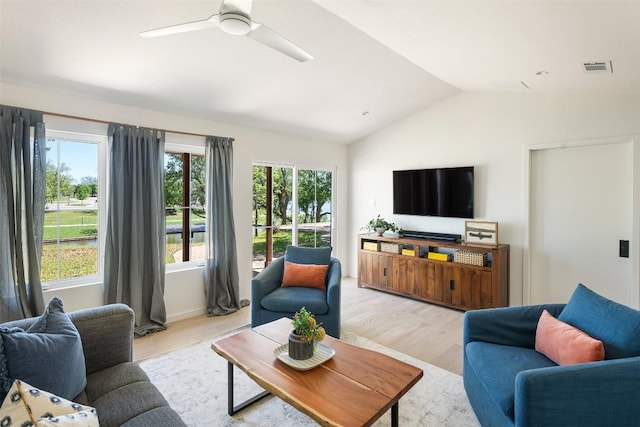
column 597, row 67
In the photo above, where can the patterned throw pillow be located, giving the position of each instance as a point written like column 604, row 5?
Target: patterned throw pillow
column 48, row 355
column 29, row 406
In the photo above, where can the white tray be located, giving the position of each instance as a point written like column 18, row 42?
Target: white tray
column 322, row 353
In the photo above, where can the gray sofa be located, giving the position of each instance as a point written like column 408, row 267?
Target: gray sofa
column 119, row 390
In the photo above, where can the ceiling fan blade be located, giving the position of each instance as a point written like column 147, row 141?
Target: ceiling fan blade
column 243, row 7
column 275, row 41
column 212, row 22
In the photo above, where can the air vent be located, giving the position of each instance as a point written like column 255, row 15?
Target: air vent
column 597, row 67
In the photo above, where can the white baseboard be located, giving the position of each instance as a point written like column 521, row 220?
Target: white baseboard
column 186, row 314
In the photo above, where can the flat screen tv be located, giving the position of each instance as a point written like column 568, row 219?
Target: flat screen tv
column 446, row 192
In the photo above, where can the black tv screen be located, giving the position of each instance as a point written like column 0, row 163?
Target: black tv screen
column 446, row 192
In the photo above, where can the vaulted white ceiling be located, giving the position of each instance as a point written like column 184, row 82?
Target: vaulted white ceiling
column 375, row 61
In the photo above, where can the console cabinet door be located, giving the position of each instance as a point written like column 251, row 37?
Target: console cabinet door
column 431, row 283
column 365, row 268
column 382, row 270
column 467, row 287
column 403, row 278
column 373, row 270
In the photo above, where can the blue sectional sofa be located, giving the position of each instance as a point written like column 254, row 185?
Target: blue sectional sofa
column 509, row 383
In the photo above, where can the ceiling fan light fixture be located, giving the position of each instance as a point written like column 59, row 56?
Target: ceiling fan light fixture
column 235, row 19
column 235, row 24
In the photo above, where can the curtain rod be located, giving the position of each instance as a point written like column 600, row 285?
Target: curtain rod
column 68, row 116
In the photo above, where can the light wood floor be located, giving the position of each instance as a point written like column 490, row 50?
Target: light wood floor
column 425, row 331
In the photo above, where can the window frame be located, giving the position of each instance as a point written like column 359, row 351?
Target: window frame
column 178, row 148
column 296, row 167
column 333, row 215
column 101, row 142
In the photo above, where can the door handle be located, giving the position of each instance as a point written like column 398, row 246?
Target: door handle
column 452, row 284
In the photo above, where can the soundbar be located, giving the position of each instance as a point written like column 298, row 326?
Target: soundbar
column 429, row 235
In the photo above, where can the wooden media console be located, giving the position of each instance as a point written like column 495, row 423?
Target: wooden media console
column 403, row 266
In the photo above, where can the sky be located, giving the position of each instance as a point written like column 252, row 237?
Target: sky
column 80, row 157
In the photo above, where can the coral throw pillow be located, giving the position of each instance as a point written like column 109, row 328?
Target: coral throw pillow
column 565, row 344
column 304, row 275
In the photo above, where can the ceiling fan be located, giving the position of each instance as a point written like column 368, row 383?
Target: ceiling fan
column 235, row 19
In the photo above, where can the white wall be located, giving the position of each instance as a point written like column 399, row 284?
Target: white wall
column 490, row 131
column 184, row 290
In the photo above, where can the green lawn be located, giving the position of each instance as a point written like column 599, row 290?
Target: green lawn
column 71, row 217
column 282, row 238
column 73, row 224
column 84, row 223
column 75, row 261
column 177, row 219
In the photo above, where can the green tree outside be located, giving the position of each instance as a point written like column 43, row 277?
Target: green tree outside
column 306, row 194
column 92, row 182
column 323, row 193
column 58, row 178
column 173, row 181
column 314, row 190
column 198, row 185
column 282, row 188
column 259, row 194
column 82, row 192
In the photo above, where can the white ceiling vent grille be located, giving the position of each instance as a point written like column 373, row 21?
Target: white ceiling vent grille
column 597, row 67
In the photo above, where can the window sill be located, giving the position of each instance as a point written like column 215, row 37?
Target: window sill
column 191, row 265
column 70, row 284
column 93, row 281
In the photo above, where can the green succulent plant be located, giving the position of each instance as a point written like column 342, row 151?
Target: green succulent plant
column 304, row 325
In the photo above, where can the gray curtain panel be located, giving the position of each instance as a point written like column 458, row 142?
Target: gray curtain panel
column 22, row 202
column 221, row 269
column 135, row 240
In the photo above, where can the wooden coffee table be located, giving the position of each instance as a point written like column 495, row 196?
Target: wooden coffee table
column 354, row 388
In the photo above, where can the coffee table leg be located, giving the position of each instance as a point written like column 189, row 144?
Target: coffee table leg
column 231, row 409
column 394, row 415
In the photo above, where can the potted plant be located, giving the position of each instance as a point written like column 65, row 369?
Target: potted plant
column 306, row 332
column 380, row 225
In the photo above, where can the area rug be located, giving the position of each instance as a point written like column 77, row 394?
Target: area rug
column 194, row 381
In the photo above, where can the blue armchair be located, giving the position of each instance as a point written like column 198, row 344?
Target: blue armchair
column 510, row 384
column 270, row 301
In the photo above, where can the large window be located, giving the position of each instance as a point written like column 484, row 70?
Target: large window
column 276, row 224
column 184, row 189
column 314, row 207
column 72, row 221
column 75, row 220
